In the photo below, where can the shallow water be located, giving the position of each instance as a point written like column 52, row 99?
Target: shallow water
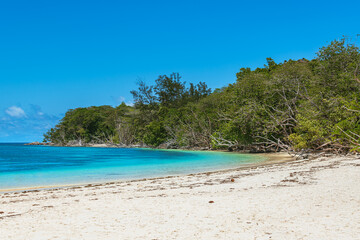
column 34, row 166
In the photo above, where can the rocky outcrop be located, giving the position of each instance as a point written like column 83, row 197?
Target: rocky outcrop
column 38, row 144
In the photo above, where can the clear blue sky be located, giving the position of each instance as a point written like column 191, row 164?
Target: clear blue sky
column 56, row 55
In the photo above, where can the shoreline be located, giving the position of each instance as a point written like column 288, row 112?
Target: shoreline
column 271, row 158
column 105, row 145
column 300, row 199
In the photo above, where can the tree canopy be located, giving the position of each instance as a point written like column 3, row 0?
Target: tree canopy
column 296, row 105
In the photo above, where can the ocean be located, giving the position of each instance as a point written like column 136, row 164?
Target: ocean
column 24, row 166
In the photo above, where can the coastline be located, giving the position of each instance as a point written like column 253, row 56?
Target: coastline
column 161, row 147
column 271, row 158
column 299, row 199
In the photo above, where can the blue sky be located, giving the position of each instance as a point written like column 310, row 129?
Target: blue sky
column 56, row 55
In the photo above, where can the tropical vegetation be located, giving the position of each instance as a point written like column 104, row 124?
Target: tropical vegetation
column 296, row 105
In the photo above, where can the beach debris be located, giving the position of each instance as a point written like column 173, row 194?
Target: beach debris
column 232, row 180
column 1, row 212
column 48, row 206
column 211, row 201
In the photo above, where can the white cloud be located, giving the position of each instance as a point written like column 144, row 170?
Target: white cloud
column 25, row 124
column 129, row 103
column 118, row 100
column 15, row 111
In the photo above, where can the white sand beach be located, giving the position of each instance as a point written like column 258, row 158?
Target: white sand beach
column 301, row 199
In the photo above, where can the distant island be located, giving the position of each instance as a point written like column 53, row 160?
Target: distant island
column 295, row 106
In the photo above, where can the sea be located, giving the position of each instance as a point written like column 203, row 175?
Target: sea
column 26, row 167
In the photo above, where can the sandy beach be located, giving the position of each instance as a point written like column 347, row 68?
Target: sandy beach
column 299, row 199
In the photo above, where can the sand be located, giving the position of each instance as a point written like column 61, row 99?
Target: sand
column 301, row 199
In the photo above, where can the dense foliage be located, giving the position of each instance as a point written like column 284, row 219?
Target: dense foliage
column 294, row 105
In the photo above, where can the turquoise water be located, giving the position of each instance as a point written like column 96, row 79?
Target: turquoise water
column 34, row 166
